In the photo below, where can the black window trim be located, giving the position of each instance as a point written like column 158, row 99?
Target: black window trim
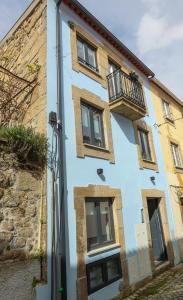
column 103, row 262
column 92, row 108
column 89, row 45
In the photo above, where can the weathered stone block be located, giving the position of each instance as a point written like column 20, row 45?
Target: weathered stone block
column 19, row 243
column 11, row 199
column 26, row 182
column 26, row 232
column 6, row 236
column 7, row 226
column 31, row 211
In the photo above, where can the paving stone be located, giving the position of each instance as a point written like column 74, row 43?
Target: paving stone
column 166, row 286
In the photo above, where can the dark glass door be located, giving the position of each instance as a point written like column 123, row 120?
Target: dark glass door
column 158, row 244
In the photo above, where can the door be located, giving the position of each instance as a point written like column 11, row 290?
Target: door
column 157, row 236
column 114, row 80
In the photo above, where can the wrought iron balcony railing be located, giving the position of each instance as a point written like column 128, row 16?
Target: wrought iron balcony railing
column 122, row 85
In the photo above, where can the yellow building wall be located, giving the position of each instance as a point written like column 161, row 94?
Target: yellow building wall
column 169, row 131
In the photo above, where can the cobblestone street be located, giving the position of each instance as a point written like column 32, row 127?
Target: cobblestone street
column 167, row 286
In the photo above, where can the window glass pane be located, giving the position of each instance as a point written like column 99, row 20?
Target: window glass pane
column 96, row 276
column 80, row 49
column 112, row 67
column 112, row 269
column 166, row 109
column 179, row 163
column 91, row 224
column 86, row 124
column 106, row 222
column 91, row 57
column 176, row 155
column 98, row 139
column 144, row 143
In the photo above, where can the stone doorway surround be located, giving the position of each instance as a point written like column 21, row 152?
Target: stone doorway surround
column 80, row 193
column 147, row 195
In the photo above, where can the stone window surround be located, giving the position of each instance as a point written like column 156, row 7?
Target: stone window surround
column 80, row 194
column 174, row 141
column 77, row 66
column 84, row 149
column 104, row 53
column 154, row 193
column 144, row 164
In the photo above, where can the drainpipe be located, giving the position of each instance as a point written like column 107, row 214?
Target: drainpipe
column 59, row 284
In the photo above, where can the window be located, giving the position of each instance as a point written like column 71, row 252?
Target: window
column 103, row 272
column 92, row 125
column 166, row 108
column 176, row 155
column 86, row 54
column 144, row 145
column 99, row 222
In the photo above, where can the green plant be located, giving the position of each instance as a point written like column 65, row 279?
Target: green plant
column 39, row 253
column 35, row 281
column 28, row 145
column 71, row 24
column 134, row 75
column 33, row 68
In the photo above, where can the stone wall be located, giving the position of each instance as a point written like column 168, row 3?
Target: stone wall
column 22, row 49
column 23, row 203
column 21, row 224
column 16, row 279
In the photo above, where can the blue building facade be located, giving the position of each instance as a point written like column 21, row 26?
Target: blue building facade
column 123, row 172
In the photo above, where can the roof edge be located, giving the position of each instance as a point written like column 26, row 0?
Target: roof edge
column 83, row 13
column 166, row 90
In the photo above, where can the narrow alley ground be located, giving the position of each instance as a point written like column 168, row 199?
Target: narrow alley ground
column 167, row 286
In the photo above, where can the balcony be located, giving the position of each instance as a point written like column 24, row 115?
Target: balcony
column 126, row 95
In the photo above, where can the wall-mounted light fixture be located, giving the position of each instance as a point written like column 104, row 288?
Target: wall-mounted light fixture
column 100, row 171
column 153, row 179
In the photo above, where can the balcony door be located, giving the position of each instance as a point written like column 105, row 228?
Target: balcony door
column 157, row 236
column 114, row 80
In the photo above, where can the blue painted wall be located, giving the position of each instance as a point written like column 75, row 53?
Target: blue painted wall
column 124, row 174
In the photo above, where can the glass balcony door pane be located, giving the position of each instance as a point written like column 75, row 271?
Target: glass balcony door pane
column 114, row 81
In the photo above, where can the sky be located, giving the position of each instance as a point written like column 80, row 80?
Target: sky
column 152, row 29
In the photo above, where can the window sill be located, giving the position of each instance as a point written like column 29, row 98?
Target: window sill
column 169, row 121
column 149, row 164
column 89, row 69
column 178, row 169
column 103, row 249
column 149, row 161
column 96, row 147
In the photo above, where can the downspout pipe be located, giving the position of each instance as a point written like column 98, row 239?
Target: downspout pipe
column 61, row 286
